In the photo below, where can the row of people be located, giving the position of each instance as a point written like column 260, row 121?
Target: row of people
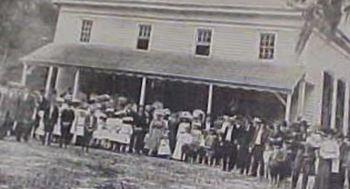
column 252, row 146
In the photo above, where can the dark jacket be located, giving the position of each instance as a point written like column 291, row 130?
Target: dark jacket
column 67, row 116
column 50, row 120
column 234, row 134
column 245, row 136
column 88, row 126
column 26, row 109
column 264, row 137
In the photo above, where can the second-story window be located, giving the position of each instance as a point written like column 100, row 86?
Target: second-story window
column 144, row 37
column 267, row 46
column 203, row 41
column 86, row 31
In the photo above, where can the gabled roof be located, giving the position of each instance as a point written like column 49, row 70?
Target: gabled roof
column 165, row 65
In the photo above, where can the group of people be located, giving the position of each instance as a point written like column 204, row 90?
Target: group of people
column 250, row 145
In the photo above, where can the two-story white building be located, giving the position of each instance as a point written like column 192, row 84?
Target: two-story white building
column 200, row 54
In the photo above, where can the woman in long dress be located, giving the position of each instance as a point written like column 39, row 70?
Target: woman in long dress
column 184, row 126
column 157, row 129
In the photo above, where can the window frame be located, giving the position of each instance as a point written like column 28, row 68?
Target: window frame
column 84, row 31
column 139, row 37
column 259, row 38
column 197, row 29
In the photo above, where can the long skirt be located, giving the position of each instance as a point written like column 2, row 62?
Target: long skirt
column 178, row 150
column 323, row 175
column 154, row 139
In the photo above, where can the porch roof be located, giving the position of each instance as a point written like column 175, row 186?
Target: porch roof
column 170, row 66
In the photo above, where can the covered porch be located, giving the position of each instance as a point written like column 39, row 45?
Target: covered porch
column 177, row 80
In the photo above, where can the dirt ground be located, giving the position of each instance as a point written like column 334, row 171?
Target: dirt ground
column 32, row 166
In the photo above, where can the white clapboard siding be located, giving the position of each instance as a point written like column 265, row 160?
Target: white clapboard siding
column 322, row 55
column 68, row 28
column 230, row 42
column 173, row 37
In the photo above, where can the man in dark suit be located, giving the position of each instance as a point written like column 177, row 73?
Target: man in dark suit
column 67, row 118
column 50, row 119
column 246, row 133
column 25, row 121
column 229, row 144
column 140, row 130
column 258, row 143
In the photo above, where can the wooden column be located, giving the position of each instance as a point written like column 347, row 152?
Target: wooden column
column 346, row 110
column 58, row 79
column 334, row 104
column 210, row 99
column 76, row 84
column 48, row 82
column 301, row 98
column 288, row 108
column 143, row 92
column 24, row 74
column 209, row 107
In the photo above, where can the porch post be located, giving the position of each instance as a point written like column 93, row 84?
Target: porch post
column 58, row 78
column 143, row 92
column 346, row 110
column 76, row 84
column 24, row 74
column 288, row 108
column 210, row 99
column 48, row 82
column 301, row 98
column 334, row 104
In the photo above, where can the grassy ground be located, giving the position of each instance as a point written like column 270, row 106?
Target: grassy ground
column 38, row 167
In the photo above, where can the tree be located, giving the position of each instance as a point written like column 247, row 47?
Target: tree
column 22, row 24
column 325, row 15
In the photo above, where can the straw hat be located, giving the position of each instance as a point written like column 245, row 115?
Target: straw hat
column 167, row 111
column 185, row 115
column 197, row 113
column 158, row 112
column 157, row 105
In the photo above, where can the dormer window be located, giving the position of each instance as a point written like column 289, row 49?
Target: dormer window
column 267, row 46
column 203, row 42
column 144, row 37
column 86, row 31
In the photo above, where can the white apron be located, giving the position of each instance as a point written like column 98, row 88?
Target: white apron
column 41, row 129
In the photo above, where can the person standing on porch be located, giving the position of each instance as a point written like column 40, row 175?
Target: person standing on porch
column 90, row 125
column 25, row 119
column 229, row 144
column 259, row 140
column 157, row 128
column 244, row 139
column 140, row 130
column 42, row 104
column 67, row 118
column 51, row 114
column 184, row 125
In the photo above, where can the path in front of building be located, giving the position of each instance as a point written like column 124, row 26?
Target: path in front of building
column 32, row 166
